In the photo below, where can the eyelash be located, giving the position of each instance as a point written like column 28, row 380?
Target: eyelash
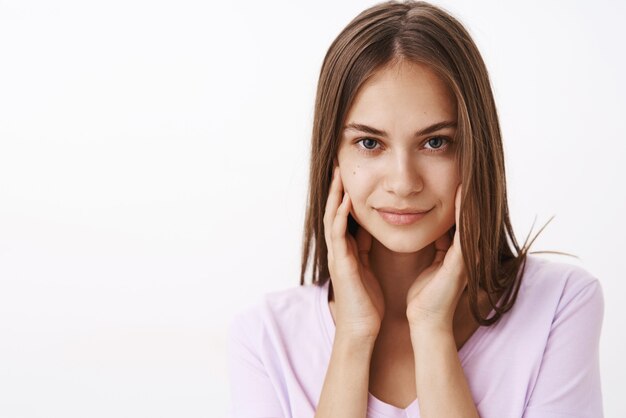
column 434, row 151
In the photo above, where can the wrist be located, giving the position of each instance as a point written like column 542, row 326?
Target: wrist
column 355, row 338
column 422, row 328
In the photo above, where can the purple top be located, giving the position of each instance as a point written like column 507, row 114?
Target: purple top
column 540, row 360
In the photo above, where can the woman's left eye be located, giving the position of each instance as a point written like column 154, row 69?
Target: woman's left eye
column 437, row 144
column 439, row 140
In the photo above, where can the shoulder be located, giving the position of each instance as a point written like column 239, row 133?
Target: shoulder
column 543, row 275
column 558, row 285
column 557, row 301
column 292, row 300
column 566, row 345
column 278, row 309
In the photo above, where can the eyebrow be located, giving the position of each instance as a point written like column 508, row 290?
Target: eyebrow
column 427, row 130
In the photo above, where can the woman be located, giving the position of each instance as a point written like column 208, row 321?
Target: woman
column 422, row 302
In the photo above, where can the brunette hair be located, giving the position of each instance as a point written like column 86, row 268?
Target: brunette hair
column 416, row 31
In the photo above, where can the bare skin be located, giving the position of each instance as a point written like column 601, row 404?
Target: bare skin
column 392, row 368
column 398, row 299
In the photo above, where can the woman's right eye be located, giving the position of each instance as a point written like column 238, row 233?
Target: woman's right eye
column 368, row 145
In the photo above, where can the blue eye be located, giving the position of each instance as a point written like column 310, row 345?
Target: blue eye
column 438, row 139
column 437, row 144
column 364, row 140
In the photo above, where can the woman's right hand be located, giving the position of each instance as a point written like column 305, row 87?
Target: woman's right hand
column 358, row 297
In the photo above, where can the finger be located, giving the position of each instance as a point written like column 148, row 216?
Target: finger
column 457, row 215
column 364, row 244
column 339, row 227
column 457, row 203
column 457, row 233
column 442, row 244
column 332, row 203
column 352, row 243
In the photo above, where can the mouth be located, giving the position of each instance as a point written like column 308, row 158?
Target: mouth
column 409, row 211
column 401, row 218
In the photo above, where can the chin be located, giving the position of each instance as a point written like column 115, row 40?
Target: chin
column 400, row 243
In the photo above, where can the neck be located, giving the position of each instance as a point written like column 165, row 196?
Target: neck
column 396, row 272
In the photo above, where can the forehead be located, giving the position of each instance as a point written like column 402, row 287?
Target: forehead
column 405, row 94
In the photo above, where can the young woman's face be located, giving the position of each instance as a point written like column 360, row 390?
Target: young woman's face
column 399, row 167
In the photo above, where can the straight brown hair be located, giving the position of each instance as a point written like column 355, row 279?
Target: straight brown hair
column 419, row 32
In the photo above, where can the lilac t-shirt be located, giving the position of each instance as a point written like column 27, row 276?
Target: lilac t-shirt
column 540, row 360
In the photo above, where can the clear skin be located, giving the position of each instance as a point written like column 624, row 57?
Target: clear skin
column 396, row 289
column 400, row 171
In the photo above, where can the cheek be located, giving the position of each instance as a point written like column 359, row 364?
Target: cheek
column 443, row 181
column 450, row 197
column 351, row 179
column 444, row 177
column 355, row 183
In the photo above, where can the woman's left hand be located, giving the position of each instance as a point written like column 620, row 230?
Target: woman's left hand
column 433, row 297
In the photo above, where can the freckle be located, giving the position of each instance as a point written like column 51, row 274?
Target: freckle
column 354, row 172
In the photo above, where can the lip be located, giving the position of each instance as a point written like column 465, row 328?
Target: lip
column 406, row 210
column 401, row 218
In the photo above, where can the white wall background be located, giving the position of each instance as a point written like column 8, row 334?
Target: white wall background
column 153, row 172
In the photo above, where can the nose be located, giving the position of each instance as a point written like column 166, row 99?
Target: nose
column 403, row 177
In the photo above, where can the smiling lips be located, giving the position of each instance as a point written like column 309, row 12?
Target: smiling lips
column 406, row 210
column 401, row 216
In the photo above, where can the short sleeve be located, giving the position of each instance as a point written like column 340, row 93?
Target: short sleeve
column 252, row 393
column 568, row 383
